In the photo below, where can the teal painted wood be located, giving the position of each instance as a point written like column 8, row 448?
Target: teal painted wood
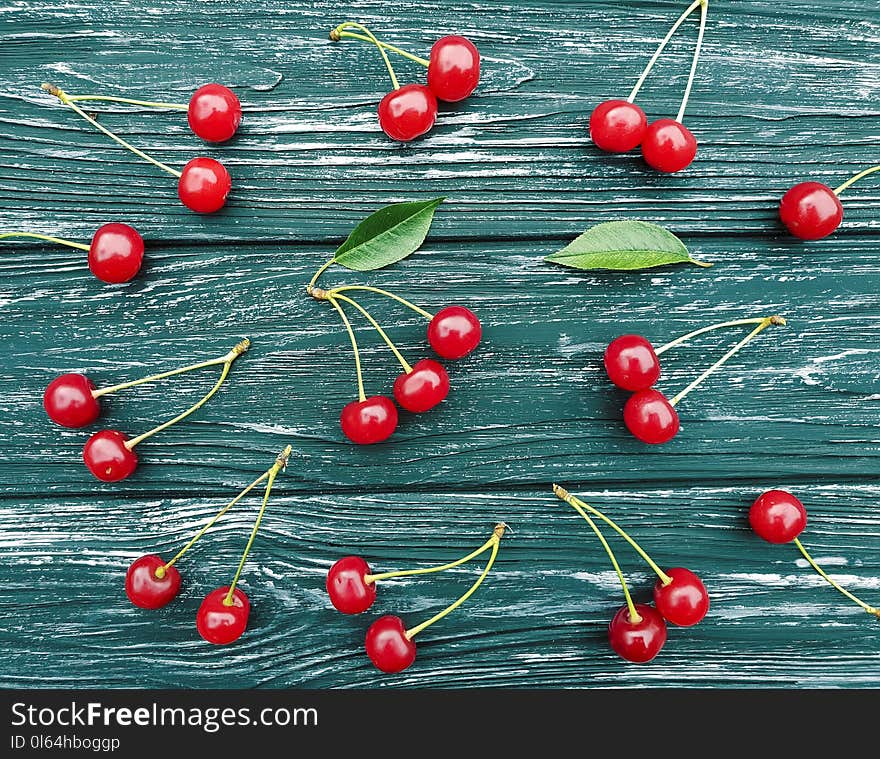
column 797, row 409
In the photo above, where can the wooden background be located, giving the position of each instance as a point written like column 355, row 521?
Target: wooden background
column 785, row 92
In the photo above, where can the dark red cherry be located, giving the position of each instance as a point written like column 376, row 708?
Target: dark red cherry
column 640, row 641
column 68, row 401
column 387, row 645
column 650, row 417
column 668, row 146
column 203, row 185
column 116, row 253
column 408, row 113
column 145, row 589
column 214, row 113
column 684, row 601
column 422, row 388
column 454, row 332
column 617, row 126
column 348, row 591
column 454, row 69
column 369, row 421
column 631, row 362
column 221, row 624
column 107, row 457
column 777, row 516
column 811, row 210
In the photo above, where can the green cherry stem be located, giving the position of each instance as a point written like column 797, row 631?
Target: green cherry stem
column 65, row 99
column 127, row 101
column 46, row 238
column 704, row 12
column 314, row 280
column 372, row 38
column 403, row 362
column 227, row 365
column 362, row 396
column 279, row 465
column 763, row 324
column 710, row 328
column 856, row 178
column 868, row 608
column 495, row 541
column 578, row 504
column 338, row 33
column 386, row 293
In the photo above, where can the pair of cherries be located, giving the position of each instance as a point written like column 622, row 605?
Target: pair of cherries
column 453, row 333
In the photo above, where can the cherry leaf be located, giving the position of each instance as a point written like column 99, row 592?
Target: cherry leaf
column 387, row 236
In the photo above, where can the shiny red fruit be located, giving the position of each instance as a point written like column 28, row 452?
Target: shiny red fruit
column 454, row 332
column 631, row 363
column 650, row 417
column 145, row 589
column 107, row 457
column 116, row 253
column 777, row 516
column 454, row 70
column 221, row 624
column 68, row 401
column 684, row 601
column 387, row 645
column 203, row 185
column 369, row 421
column 422, row 388
column 641, row 641
column 617, row 126
column 214, row 113
column 668, row 146
column 811, row 210
column 408, row 113
column 348, row 591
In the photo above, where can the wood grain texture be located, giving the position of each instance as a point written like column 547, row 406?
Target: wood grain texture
column 783, row 93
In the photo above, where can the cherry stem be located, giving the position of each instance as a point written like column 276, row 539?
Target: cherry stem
column 372, row 38
column 227, row 365
column 703, row 330
column 579, row 506
column 379, row 291
column 856, row 178
column 47, row 238
column 704, row 12
column 814, row 565
column 65, row 99
column 654, row 58
column 764, row 323
column 403, row 362
column 310, row 286
column 279, row 465
column 129, row 101
column 442, row 568
column 338, row 34
column 495, row 541
column 227, row 358
column 362, row 396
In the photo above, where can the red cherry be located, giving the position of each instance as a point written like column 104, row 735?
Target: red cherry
column 346, row 587
column 221, row 624
column 116, row 253
column 641, row 641
column 214, row 113
column 631, row 362
column 204, row 185
column 423, row 388
column 68, row 401
column 777, row 516
column 369, row 421
column 408, row 113
column 107, row 457
column 145, row 589
column 668, row 146
column 811, row 210
column 454, row 69
column 617, row 126
column 454, row 332
column 650, row 417
column 387, row 645
column 684, row 601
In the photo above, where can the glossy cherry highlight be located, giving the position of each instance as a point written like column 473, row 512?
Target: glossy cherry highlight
column 631, row 363
column 149, row 585
column 369, row 421
column 116, row 253
column 408, row 112
column 422, row 388
column 684, row 601
column 68, row 401
column 454, row 68
column 777, row 516
column 650, row 417
column 617, row 126
column 811, row 210
column 637, row 640
column 347, row 587
column 108, row 458
column 668, row 146
column 221, row 623
column 214, row 113
column 454, row 332
column 204, row 185
column 388, row 646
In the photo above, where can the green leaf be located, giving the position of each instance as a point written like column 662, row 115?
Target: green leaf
column 387, row 236
column 624, row 246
